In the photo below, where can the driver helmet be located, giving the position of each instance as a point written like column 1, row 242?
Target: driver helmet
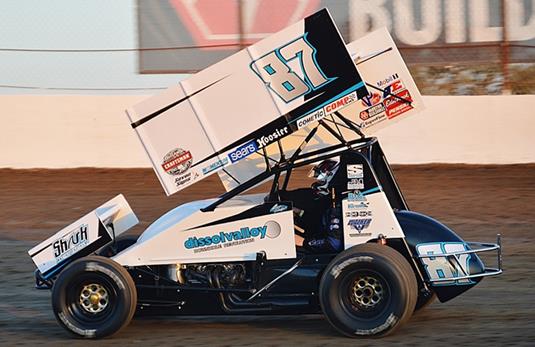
column 323, row 173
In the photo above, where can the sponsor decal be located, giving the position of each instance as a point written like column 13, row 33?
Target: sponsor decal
column 356, row 196
column 276, row 135
column 278, row 208
column 222, row 239
column 214, row 166
column 374, row 120
column 243, row 151
column 184, row 179
column 355, row 183
column 353, row 214
column 177, row 161
column 380, row 107
column 393, row 88
column 372, row 111
column 371, row 99
column 340, row 103
column 311, row 118
column 395, row 106
column 387, row 80
column 359, row 224
column 71, row 242
column 355, row 171
column 358, row 205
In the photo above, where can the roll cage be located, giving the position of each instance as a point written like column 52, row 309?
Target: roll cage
column 368, row 146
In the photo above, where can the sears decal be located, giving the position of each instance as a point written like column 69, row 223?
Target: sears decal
column 222, row 239
column 177, row 161
column 71, row 243
column 243, row 151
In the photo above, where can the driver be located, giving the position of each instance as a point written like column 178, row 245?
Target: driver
column 314, row 214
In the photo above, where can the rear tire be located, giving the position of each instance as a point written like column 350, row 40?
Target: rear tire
column 368, row 290
column 94, row 297
column 424, row 300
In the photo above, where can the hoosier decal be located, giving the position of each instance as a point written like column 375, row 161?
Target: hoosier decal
column 270, row 138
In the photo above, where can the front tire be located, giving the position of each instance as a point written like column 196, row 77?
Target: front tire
column 94, row 297
column 368, row 290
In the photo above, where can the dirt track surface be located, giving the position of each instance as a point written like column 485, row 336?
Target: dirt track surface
column 476, row 201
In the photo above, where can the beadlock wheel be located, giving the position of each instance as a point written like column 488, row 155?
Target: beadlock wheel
column 368, row 290
column 94, row 297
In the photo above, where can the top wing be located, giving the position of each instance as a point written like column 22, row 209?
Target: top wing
column 246, row 102
column 393, row 96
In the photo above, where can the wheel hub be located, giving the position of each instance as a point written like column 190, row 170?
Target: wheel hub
column 94, row 298
column 366, row 292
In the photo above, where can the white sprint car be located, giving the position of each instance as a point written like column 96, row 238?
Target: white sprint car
column 295, row 99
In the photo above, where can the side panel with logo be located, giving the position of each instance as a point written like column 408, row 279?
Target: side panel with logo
column 367, row 215
column 84, row 236
column 366, row 211
column 234, row 238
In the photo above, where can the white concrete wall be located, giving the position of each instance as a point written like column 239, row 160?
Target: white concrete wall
column 38, row 131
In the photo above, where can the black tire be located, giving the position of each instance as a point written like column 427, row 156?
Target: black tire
column 424, row 300
column 122, row 243
column 368, row 290
column 94, row 297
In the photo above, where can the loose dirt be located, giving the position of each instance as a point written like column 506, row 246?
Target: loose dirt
column 476, row 201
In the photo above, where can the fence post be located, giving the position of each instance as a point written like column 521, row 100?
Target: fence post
column 240, row 24
column 506, row 86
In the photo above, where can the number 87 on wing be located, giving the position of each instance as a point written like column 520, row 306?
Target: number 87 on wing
column 291, row 71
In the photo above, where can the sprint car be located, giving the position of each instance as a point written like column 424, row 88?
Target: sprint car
column 237, row 256
column 366, row 261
